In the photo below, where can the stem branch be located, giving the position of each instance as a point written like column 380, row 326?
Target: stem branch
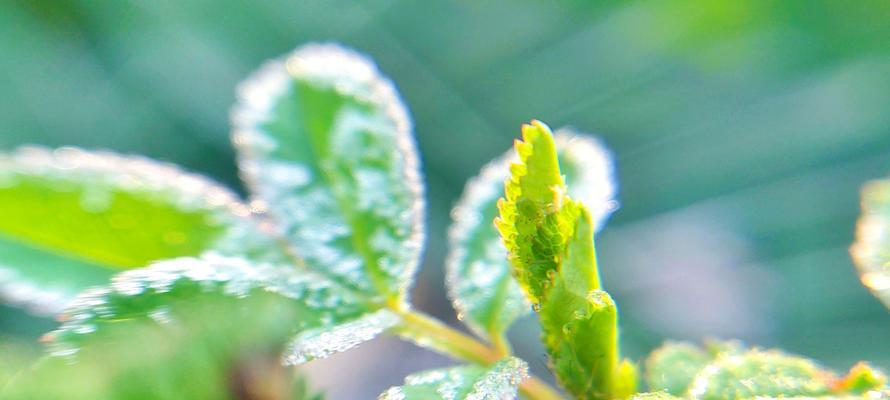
column 429, row 332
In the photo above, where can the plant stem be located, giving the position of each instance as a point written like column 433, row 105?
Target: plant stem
column 431, row 333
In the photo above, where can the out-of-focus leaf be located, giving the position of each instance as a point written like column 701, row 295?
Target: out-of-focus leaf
column 214, row 346
column 481, row 288
column 673, row 366
column 862, row 378
column 497, row 382
column 154, row 293
column 871, row 251
column 325, row 143
column 653, row 396
column 69, row 218
column 726, row 370
column 323, row 342
column 760, row 373
column 549, row 238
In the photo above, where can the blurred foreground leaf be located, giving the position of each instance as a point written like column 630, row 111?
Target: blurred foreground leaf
column 214, row 346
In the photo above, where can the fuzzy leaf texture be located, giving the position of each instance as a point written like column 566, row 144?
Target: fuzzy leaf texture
column 153, row 294
column 549, row 238
column 871, row 251
column 221, row 346
column 480, row 286
column 324, row 142
column 70, row 218
column 496, row 382
column 732, row 372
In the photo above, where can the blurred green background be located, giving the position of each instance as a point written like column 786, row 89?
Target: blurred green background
column 742, row 132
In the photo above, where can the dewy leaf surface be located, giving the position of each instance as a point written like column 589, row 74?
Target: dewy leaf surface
column 480, row 286
column 69, row 218
column 325, row 143
column 153, row 293
column 871, row 251
column 497, row 382
column 549, row 238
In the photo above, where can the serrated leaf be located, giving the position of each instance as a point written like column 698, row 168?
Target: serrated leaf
column 768, row 373
column 480, row 286
column 871, row 251
column 497, row 382
column 153, row 293
column 69, row 218
column 673, row 366
column 325, row 143
column 549, row 238
column 220, row 347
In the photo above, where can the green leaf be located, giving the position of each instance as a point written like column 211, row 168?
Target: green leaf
column 70, row 218
column 322, row 342
column 215, row 345
column 154, row 293
column 499, row 381
column 481, row 288
column 549, row 238
column 769, row 373
column 871, row 251
column 325, row 143
column 673, row 366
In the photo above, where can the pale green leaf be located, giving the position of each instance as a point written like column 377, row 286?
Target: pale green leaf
column 768, row 373
column 325, row 143
column 497, row 382
column 481, row 288
column 154, row 292
column 871, row 251
column 69, row 218
column 673, row 366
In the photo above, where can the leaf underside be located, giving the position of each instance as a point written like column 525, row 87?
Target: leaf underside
column 497, row 382
column 480, row 286
column 325, row 143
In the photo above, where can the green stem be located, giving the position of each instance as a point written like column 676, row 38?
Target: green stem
column 432, row 333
